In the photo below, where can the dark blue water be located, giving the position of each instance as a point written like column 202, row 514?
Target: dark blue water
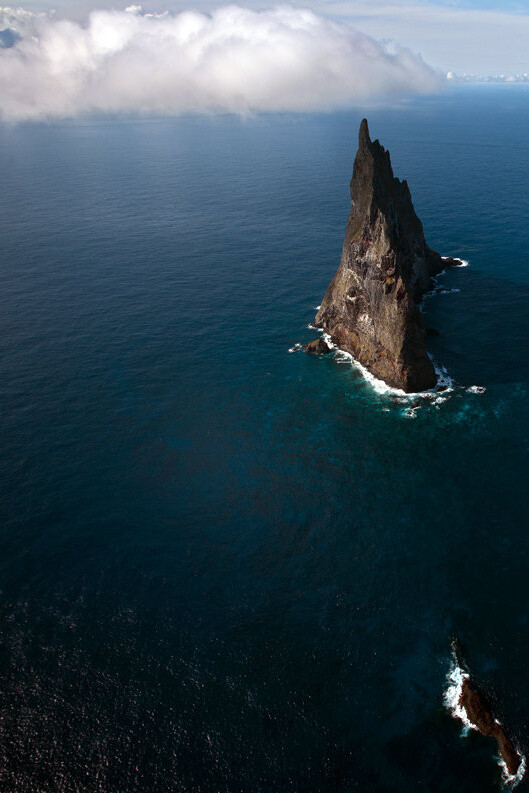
column 224, row 567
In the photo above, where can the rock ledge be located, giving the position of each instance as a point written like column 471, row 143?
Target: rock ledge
column 318, row 346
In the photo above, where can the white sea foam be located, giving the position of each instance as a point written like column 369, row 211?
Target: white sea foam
column 297, row 346
column 511, row 780
column 436, row 290
column 464, row 262
column 476, row 389
column 443, row 379
column 453, row 692
column 379, row 385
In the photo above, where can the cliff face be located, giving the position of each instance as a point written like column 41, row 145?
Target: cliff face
column 370, row 307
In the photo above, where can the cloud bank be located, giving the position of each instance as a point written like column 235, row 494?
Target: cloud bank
column 234, row 60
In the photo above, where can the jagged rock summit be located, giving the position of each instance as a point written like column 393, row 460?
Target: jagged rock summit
column 371, row 306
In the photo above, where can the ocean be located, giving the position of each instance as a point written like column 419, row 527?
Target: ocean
column 227, row 566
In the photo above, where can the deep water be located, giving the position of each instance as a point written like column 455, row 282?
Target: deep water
column 224, row 566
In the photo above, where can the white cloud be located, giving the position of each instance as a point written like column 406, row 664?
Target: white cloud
column 234, row 60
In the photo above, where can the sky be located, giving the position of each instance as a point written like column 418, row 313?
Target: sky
column 202, row 57
column 473, row 37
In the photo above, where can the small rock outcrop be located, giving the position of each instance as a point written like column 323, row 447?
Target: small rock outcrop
column 371, row 307
column 318, row 346
column 479, row 714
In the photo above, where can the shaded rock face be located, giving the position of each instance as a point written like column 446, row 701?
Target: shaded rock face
column 318, row 346
column 371, row 308
column 479, row 713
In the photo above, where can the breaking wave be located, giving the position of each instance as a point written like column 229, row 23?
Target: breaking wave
column 444, row 380
column 436, row 396
column 452, row 696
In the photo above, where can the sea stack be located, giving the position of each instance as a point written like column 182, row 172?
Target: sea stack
column 371, row 307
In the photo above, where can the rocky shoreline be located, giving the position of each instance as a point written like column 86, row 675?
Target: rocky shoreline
column 479, row 714
column 466, row 701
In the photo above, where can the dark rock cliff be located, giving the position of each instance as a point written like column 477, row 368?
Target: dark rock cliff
column 479, row 714
column 371, row 307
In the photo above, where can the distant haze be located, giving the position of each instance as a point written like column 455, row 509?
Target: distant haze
column 474, row 37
